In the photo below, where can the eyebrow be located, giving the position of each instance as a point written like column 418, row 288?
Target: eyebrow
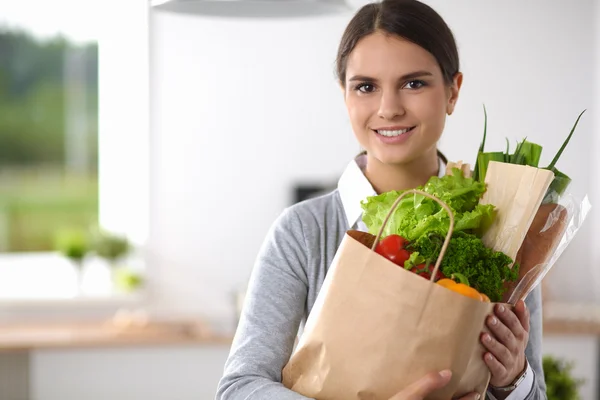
column 412, row 75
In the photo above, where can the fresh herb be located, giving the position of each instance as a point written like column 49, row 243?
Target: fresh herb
column 485, row 269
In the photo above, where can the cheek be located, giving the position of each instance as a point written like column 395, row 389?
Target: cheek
column 358, row 112
column 433, row 113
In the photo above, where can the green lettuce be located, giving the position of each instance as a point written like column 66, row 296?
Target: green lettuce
column 417, row 215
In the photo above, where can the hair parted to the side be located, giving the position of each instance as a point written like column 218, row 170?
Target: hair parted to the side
column 408, row 19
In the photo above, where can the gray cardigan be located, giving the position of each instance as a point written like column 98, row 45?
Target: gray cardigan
column 284, row 285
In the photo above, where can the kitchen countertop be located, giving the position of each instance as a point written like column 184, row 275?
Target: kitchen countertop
column 95, row 335
column 560, row 319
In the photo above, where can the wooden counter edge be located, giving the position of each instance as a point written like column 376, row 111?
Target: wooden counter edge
column 567, row 327
column 98, row 336
column 43, row 338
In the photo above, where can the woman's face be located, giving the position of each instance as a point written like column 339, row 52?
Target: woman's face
column 396, row 97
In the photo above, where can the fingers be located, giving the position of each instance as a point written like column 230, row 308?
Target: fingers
column 501, row 333
column 497, row 349
column 522, row 313
column 495, row 366
column 510, row 331
column 424, row 386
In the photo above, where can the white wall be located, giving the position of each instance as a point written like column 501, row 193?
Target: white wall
column 242, row 110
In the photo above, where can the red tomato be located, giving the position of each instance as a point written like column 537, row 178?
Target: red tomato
column 392, row 248
column 425, row 272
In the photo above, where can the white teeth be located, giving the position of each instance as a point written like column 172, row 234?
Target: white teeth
column 393, row 133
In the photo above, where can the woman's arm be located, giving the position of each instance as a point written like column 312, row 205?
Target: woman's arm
column 273, row 309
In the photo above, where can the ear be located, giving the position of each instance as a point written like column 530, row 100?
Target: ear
column 453, row 91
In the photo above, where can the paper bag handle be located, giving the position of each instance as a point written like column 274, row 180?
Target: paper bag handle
column 448, row 235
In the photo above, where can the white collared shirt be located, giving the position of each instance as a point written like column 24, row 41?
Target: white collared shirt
column 354, row 187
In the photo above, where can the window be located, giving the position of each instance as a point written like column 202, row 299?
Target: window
column 48, row 126
column 74, row 101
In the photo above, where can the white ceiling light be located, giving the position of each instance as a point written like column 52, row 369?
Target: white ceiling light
column 253, row 8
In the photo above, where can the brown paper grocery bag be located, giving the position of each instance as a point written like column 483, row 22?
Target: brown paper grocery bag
column 376, row 328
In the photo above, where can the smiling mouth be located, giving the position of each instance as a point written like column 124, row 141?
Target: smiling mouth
column 393, row 133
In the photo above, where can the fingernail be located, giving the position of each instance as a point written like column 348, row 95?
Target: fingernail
column 489, row 357
column 487, row 338
column 446, row 373
column 477, row 396
column 494, row 321
column 501, row 309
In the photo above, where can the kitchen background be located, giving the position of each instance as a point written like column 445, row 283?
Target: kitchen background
column 195, row 135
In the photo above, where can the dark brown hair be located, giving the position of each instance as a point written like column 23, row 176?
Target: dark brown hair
column 409, row 19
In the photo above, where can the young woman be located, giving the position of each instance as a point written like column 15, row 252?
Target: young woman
column 398, row 68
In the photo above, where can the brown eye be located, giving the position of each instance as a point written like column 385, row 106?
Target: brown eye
column 416, row 84
column 365, row 88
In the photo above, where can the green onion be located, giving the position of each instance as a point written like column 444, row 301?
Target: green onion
column 561, row 181
column 518, row 157
column 526, row 153
column 559, row 184
column 532, row 153
column 481, row 147
column 476, row 174
column 484, row 159
column 557, row 156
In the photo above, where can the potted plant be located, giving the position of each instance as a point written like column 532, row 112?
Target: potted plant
column 112, row 248
column 74, row 244
column 560, row 383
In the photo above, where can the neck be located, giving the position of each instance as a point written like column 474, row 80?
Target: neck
column 388, row 177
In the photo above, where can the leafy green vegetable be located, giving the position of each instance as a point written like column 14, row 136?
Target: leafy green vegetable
column 557, row 187
column 531, row 153
column 561, row 181
column 417, row 215
column 564, row 145
column 483, row 160
column 485, row 269
column 526, row 153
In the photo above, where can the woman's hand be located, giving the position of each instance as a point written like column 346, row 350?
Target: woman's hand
column 427, row 384
column 506, row 344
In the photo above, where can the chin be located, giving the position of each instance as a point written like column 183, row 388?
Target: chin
column 393, row 158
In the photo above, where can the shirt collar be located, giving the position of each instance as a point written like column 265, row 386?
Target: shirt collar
column 354, row 187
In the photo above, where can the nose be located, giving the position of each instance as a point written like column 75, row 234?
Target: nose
column 390, row 105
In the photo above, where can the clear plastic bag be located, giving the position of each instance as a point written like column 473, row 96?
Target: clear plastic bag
column 556, row 223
